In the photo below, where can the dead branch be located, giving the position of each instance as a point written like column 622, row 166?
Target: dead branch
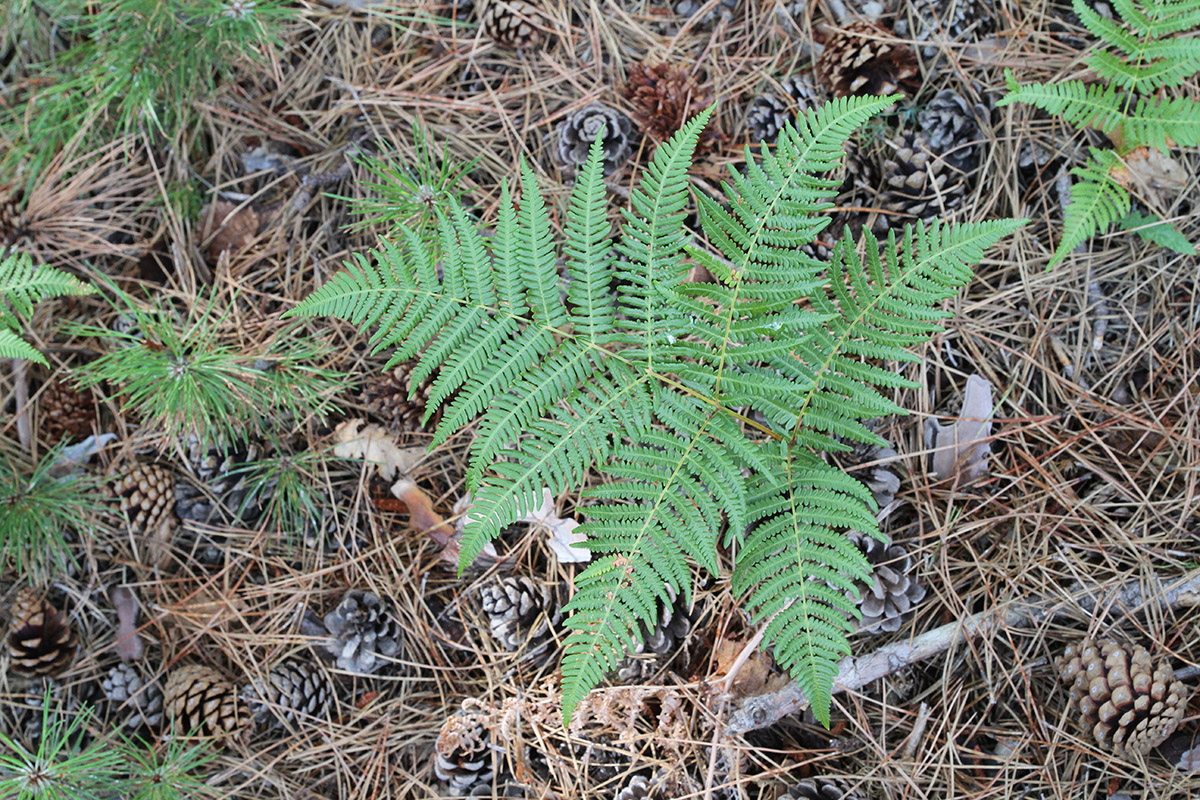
column 762, row 710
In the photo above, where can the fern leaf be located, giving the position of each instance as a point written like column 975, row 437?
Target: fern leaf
column 588, row 249
column 23, row 286
column 12, row 346
column 1151, row 229
column 1159, row 123
column 537, row 254
column 1096, row 106
column 1097, row 201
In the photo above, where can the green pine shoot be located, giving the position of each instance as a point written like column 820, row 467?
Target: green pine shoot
column 651, row 380
column 167, row 771
column 57, row 769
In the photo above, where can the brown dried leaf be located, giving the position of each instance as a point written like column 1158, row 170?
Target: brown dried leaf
column 227, row 226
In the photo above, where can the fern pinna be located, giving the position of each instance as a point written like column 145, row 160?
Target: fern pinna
column 22, row 286
column 653, row 380
column 1139, row 60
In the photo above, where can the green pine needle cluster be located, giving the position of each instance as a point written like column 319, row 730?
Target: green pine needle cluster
column 182, row 377
column 662, row 384
column 22, row 286
column 1138, row 57
column 59, row 769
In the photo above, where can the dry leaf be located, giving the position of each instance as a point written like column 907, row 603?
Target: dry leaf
column 961, row 449
column 376, row 446
column 227, row 226
column 754, row 677
column 130, row 646
column 1153, row 174
column 563, row 536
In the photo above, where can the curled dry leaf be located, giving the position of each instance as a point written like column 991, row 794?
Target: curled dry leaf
column 376, row 446
column 425, row 519
column 563, row 535
column 130, row 646
column 961, row 449
column 1153, row 174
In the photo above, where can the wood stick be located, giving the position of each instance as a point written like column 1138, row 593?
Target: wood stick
column 762, row 710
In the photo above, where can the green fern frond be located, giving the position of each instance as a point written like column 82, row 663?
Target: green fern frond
column 1151, row 229
column 1158, row 123
column 13, row 346
column 652, row 381
column 1095, row 106
column 1097, row 202
column 22, row 286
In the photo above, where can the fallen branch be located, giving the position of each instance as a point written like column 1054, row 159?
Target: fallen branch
column 762, row 710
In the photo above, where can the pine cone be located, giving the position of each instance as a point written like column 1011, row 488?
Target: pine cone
column 894, row 590
column 821, row 789
column 293, row 690
column 689, row 8
column 882, row 480
column 952, row 128
column 663, row 98
column 66, row 411
column 640, row 788
column 200, row 702
column 1129, row 704
column 464, row 757
column 215, row 489
column 769, row 111
column 515, row 24
column 574, row 136
column 918, row 185
column 41, row 641
column 145, row 495
column 865, row 58
column 140, row 703
column 520, row 612
column 946, row 21
column 365, row 635
column 673, row 626
column 388, row 396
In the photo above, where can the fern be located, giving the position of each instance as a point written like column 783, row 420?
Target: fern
column 22, row 286
column 651, row 380
column 1151, row 229
column 1134, row 59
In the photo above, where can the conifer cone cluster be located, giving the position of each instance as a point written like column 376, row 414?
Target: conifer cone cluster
column 387, row 395
column 520, row 612
column 664, row 96
column 1126, row 702
column 893, row 590
column 41, row 641
column 137, row 703
column 201, row 703
column 292, row 691
column 144, row 495
column 863, row 57
column 515, row 24
column 65, row 411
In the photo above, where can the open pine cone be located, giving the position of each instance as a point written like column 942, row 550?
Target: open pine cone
column 952, row 126
column 137, row 702
column 770, row 111
column 200, row 702
column 574, row 135
column 864, row 57
column 948, row 21
column 515, row 24
column 292, row 691
column 893, row 590
column 821, row 789
column 216, row 486
column 664, row 96
column 145, row 495
column 463, row 751
column 387, row 396
column 65, row 411
column 365, row 636
column 918, row 184
column 520, row 612
column 1129, row 704
column 675, row 622
column 41, row 641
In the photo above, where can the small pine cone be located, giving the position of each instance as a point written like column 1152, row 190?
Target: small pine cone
column 214, row 490
column 918, row 185
column 953, row 128
column 894, row 590
column 1129, row 704
column 140, row 703
column 574, row 136
column 463, row 751
column 41, row 641
column 689, row 8
column 515, row 24
column 664, row 96
column 821, row 789
column 293, row 690
column 521, row 613
column 882, row 480
column 948, row 21
column 673, row 626
column 12, row 221
column 66, row 412
column 388, row 396
column 365, row 635
column 145, row 496
column 641, row 788
column 200, row 702
column 866, row 58
column 769, row 111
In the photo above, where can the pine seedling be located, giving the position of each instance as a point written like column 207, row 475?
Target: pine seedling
column 651, row 379
column 58, row 769
column 38, row 508
column 408, row 195
column 168, row 771
column 288, row 489
column 21, row 287
column 181, row 378
column 1140, row 57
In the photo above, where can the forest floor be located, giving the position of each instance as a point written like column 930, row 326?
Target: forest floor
column 1090, row 483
